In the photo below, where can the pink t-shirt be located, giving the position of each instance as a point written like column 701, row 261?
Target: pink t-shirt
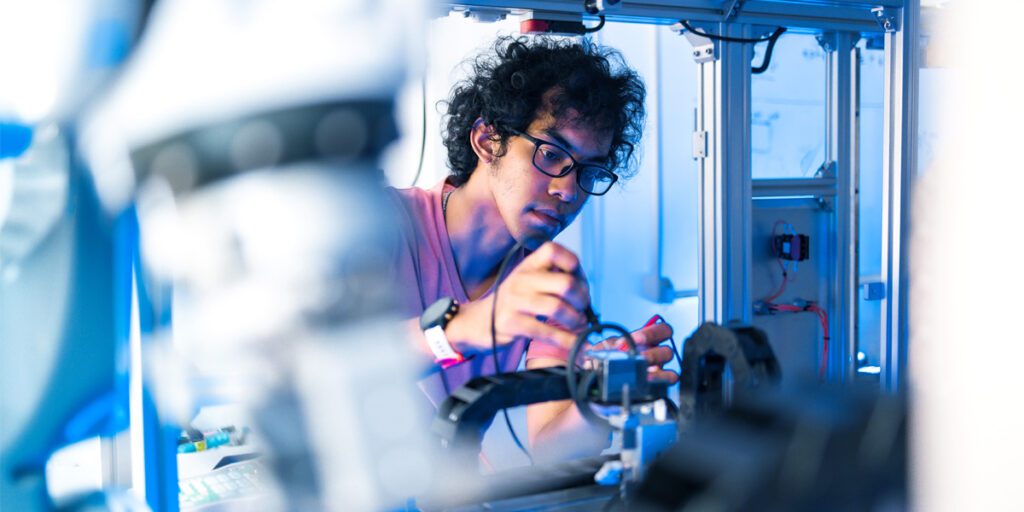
column 427, row 272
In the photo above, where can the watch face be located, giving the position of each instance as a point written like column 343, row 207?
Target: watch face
column 434, row 314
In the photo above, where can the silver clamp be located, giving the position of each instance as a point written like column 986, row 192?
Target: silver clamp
column 703, row 47
column 828, row 169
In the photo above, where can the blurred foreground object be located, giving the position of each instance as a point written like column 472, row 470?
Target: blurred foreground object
column 740, row 443
column 804, row 449
column 245, row 136
column 63, row 341
column 964, row 360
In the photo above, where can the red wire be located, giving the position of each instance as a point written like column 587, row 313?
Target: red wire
column 818, row 310
column 822, row 318
column 782, row 288
column 654, row 319
column 623, row 346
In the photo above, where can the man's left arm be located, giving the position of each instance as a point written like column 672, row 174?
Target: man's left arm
column 557, row 431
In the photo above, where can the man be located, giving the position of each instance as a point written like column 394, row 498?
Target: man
column 539, row 127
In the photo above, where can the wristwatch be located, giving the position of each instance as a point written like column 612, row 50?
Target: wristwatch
column 433, row 321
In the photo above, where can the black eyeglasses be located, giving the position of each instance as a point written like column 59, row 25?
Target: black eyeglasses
column 550, row 159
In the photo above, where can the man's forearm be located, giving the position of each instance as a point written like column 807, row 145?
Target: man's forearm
column 567, row 435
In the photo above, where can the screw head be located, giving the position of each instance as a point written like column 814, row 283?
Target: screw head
column 696, row 53
column 708, row 51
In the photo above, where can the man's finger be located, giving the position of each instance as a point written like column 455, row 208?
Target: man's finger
column 564, row 286
column 540, row 331
column 652, row 334
column 608, row 344
column 658, row 355
column 552, row 307
column 550, row 256
column 663, row 375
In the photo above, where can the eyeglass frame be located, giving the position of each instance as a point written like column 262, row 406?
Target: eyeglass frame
column 533, row 159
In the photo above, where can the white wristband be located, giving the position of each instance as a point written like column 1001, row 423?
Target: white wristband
column 444, row 353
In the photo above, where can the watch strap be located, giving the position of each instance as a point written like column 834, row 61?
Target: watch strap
column 444, row 354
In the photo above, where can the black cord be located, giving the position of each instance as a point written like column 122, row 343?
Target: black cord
column 494, row 338
column 580, row 396
column 675, row 352
column 768, row 51
column 599, row 26
column 716, row 37
column 672, row 342
column 770, row 39
column 423, row 131
column 579, row 391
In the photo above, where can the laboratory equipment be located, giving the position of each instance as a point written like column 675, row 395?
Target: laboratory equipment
column 63, row 331
column 263, row 236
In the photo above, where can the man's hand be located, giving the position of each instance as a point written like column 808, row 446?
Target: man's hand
column 647, row 340
column 547, row 285
column 558, row 432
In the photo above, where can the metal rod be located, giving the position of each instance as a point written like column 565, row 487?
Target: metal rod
column 900, row 162
column 841, row 292
column 725, row 181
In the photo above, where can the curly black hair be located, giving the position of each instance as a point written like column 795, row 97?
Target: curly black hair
column 507, row 87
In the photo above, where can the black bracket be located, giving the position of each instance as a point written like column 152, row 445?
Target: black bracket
column 706, row 353
column 464, row 416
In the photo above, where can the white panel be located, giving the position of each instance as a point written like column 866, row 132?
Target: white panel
column 451, row 41
column 627, row 253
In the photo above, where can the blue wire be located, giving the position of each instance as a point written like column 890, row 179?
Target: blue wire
column 675, row 352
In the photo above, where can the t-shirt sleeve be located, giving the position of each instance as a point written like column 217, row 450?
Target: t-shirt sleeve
column 405, row 259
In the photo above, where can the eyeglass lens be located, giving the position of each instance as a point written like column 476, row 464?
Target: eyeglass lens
column 554, row 161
